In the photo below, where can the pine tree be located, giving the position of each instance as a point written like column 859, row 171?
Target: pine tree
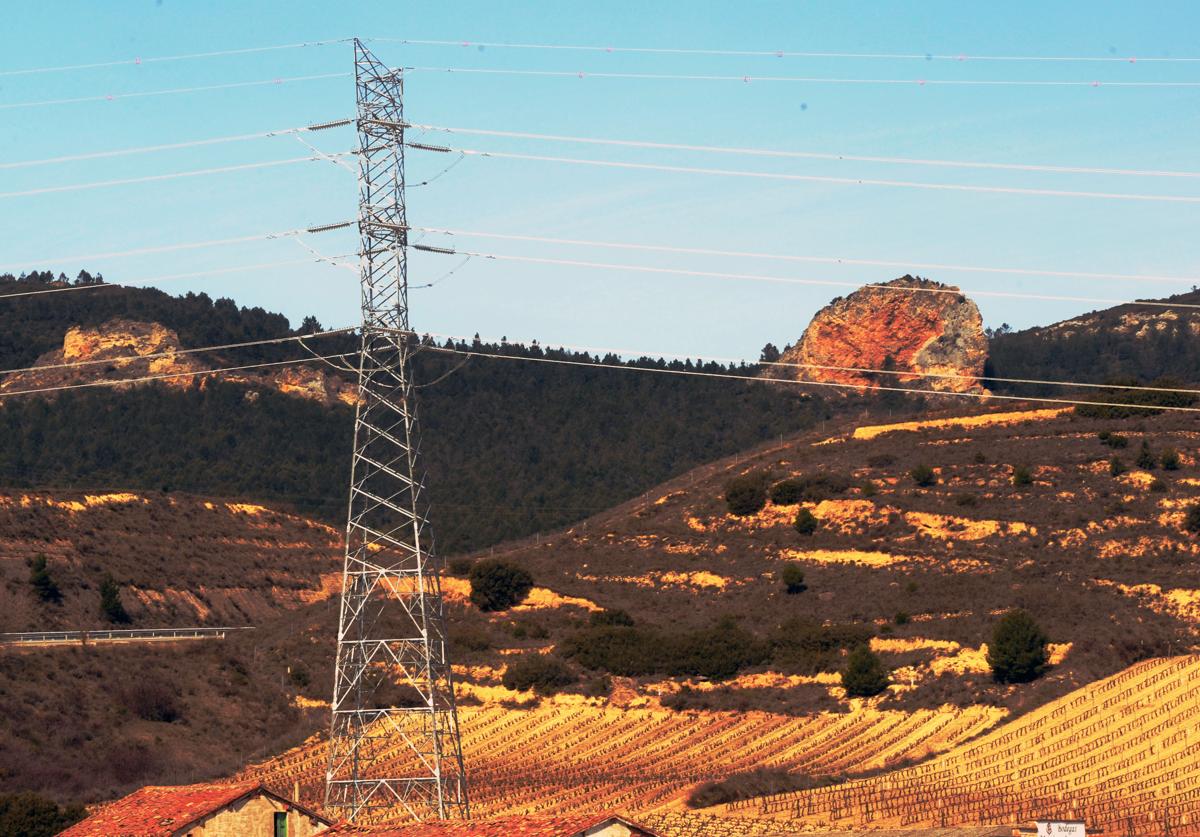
column 111, row 608
column 1018, row 651
column 865, row 674
column 44, row 586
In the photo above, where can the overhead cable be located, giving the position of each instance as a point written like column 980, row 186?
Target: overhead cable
column 145, row 378
column 96, row 155
column 787, row 280
column 157, row 59
column 297, row 338
column 747, row 78
column 75, row 187
column 808, row 155
column 781, row 53
column 815, row 178
column 172, row 91
column 816, row 384
column 906, row 265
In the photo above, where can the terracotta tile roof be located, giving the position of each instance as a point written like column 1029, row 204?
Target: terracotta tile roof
column 501, row 827
column 159, row 811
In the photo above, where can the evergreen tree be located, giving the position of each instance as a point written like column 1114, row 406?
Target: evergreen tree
column 806, row 522
column 44, row 586
column 1146, row 457
column 111, row 608
column 793, row 578
column 1018, row 652
column 865, row 674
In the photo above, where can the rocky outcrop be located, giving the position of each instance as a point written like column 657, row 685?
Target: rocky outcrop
column 128, row 350
column 935, row 332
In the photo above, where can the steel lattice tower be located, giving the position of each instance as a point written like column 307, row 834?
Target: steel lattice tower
column 393, row 744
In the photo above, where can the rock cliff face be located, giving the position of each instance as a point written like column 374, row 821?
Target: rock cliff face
column 123, row 349
column 939, row 332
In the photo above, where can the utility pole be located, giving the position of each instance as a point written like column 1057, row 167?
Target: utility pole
column 394, row 747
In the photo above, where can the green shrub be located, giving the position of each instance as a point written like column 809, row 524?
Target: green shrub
column 29, row 815
column 1150, row 401
column 1158, row 485
column 902, row 618
column 793, row 578
column 1017, row 653
column 610, row 617
column 498, row 585
column 923, row 476
column 717, row 652
column 880, row 460
column 806, row 522
column 786, row 493
column 469, row 638
column 805, row 646
column 1169, row 459
column 1021, row 476
column 746, row 495
column 1113, row 440
column 1146, row 458
column 152, row 700
column 811, row 487
column 459, row 567
column 1191, row 520
column 111, row 609
column 1116, row 467
column 865, row 674
column 544, row 674
column 43, row 584
column 966, row 499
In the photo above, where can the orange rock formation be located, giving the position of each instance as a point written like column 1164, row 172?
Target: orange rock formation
column 877, row 327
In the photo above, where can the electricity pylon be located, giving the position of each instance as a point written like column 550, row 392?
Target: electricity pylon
column 394, row 746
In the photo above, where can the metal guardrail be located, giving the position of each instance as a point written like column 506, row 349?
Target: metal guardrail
column 117, row 635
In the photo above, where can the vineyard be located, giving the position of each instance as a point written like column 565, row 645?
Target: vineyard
column 1120, row 754
column 559, row 759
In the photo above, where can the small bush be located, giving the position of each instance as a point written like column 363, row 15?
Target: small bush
column 793, row 578
column 544, row 674
column 151, row 700
column 1146, row 458
column 902, row 618
column 980, row 457
column 1021, row 476
column 459, row 567
column 469, row 638
column 43, row 584
column 1116, row 467
column 1191, row 520
column 812, row 488
column 923, row 476
column 806, row 522
column 498, row 585
column 865, row 674
column 966, row 499
column 746, row 495
column 610, row 617
column 786, row 493
column 1017, row 653
column 805, row 646
column 1169, row 459
column 597, row 687
column 1158, row 485
column 1113, row 440
column 111, row 609
column 881, row 460
column 29, row 815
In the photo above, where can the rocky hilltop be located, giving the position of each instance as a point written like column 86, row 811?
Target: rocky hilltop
column 877, row 327
column 131, row 350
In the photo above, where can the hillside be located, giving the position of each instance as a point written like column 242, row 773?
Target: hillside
column 502, row 440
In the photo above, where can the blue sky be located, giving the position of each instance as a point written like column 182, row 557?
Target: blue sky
column 1105, row 126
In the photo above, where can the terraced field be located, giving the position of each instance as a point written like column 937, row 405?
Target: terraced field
column 562, row 758
column 1122, row 754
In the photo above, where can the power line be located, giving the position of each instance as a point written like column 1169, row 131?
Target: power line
column 75, row 187
column 779, row 53
column 828, row 384
column 192, row 374
column 96, row 155
column 906, row 82
column 899, row 373
column 755, row 277
column 172, row 91
column 138, row 283
column 808, row 155
column 167, row 248
column 134, row 62
column 815, row 178
column 908, row 265
column 174, row 352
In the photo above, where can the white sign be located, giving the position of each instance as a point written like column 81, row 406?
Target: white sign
column 1052, row 828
